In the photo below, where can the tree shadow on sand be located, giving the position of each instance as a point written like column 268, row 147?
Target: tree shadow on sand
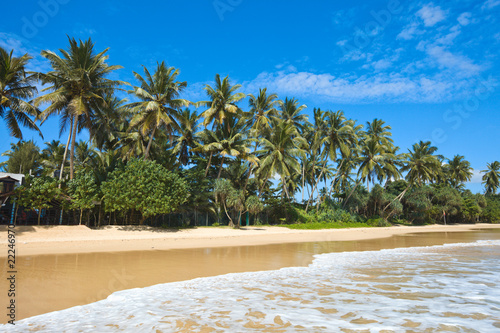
column 141, row 228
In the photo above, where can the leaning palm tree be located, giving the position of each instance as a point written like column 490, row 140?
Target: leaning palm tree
column 15, row 87
column 458, row 171
column 77, row 85
column 160, row 102
column 491, row 177
column 421, row 165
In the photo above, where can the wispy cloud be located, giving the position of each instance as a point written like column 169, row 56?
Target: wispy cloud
column 445, row 59
column 21, row 46
column 464, row 18
column 410, row 31
column 489, row 4
column 351, row 89
column 477, row 177
column 431, row 15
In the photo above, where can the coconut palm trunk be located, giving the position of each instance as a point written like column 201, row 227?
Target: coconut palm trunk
column 316, row 184
column 66, row 151
column 146, row 154
column 72, row 153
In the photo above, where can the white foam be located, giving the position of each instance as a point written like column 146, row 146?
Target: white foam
column 452, row 285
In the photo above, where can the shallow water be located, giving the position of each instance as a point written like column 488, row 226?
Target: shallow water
column 382, row 290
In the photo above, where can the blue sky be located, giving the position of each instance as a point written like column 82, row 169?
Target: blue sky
column 429, row 69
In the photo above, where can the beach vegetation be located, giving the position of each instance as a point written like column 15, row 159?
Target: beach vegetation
column 154, row 157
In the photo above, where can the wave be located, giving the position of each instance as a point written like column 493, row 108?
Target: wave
column 448, row 287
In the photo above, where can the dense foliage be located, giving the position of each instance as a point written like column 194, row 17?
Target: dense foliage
column 179, row 162
column 144, row 186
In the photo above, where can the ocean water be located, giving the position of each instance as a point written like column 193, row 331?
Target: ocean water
column 446, row 288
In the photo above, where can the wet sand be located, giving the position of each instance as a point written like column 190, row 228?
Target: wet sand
column 54, row 282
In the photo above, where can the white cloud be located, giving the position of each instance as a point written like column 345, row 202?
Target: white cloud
column 445, row 59
column 477, row 177
column 450, row 37
column 489, row 4
column 431, row 15
column 21, row 46
column 386, row 87
column 464, row 18
column 409, row 32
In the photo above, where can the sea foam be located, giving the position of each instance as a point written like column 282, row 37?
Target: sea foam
column 453, row 287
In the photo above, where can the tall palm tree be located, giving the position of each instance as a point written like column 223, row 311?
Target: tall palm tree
column 291, row 112
column 23, row 157
column 187, row 139
column 226, row 143
column 491, row 177
column 422, row 166
column 52, row 157
column 262, row 108
column 339, row 136
column 280, row 152
column 223, row 102
column 221, row 107
column 458, row 171
column 15, row 87
column 375, row 162
column 159, row 103
column 77, row 85
column 377, row 132
column 110, row 119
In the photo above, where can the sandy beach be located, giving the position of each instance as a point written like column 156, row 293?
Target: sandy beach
column 64, row 266
column 34, row 240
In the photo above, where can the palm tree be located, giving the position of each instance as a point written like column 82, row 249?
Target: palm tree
column 15, row 87
column 226, row 143
column 110, row 119
column 458, row 171
column 422, row 166
column 262, row 108
column 23, row 157
column 339, row 135
column 222, row 103
column 77, row 85
column 159, row 103
column 280, row 151
column 290, row 112
column 377, row 132
column 491, row 177
column 221, row 106
column 52, row 157
column 131, row 145
column 375, row 161
column 187, row 139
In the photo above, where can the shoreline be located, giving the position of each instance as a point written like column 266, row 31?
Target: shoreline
column 47, row 240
